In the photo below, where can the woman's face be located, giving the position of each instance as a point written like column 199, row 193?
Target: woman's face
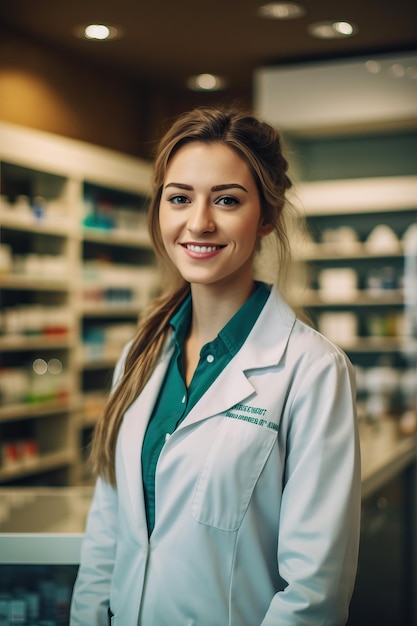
column 210, row 215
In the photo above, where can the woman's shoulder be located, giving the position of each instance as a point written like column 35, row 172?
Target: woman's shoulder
column 303, row 335
column 309, row 345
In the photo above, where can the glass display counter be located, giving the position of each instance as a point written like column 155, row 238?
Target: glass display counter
column 41, row 530
column 40, row 539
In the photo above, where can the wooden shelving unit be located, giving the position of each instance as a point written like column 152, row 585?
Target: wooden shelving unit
column 376, row 327
column 72, row 220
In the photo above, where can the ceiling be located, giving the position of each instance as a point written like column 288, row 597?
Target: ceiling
column 166, row 41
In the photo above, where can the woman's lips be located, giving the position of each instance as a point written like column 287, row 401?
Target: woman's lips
column 202, row 250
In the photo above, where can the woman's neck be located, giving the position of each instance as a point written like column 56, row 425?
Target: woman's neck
column 213, row 307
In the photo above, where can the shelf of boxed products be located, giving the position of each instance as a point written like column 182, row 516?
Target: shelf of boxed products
column 38, row 408
column 114, row 216
column 35, row 260
column 22, row 459
column 326, row 297
column 110, row 289
column 360, row 264
column 364, row 322
column 33, row 389
column 36, row 438
column 14, row 343
column 37, row 402
column 360, row 246
column 118, row 273
column 12, row 217
column 331, row 252
column 367, row 320
column 117, row 237
column 118, row 277
column 52, row 220
column 112, row 295
column 35, row 200
column 37, row 329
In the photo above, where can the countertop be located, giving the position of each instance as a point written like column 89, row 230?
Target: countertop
column 384, row 453
column 46, row 525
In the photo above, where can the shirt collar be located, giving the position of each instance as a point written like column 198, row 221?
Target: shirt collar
column 181, row 321
column 235, row 332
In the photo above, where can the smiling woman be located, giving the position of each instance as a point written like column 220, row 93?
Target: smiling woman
column 227, row 456
column 210, row 219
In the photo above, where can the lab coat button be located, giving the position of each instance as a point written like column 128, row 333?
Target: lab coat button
column 210, row 358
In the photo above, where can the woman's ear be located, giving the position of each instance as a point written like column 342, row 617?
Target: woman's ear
column 264, row 228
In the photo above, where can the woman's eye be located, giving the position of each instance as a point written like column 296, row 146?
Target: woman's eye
column 178, row 199
column 227, row 201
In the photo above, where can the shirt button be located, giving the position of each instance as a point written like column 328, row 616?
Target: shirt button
column 183, row 399
column 167, row 436
column 210, row 358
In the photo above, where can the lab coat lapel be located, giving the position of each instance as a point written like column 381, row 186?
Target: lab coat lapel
column 222, row 395
column 132, row 433
column 264, row 347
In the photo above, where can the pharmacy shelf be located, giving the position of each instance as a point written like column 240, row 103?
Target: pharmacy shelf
column 353, row 277
column 32, row 283
column 313, row 298
column 99, row 363
column 117, row 238
column 111, row 309
column 19, row 343
column 50, row 188
column 329, row 252
column 26, row 410
column 377, row 345
column 30, row 224
column 44, row 463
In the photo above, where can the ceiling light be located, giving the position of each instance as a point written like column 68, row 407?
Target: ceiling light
column 332, row 30
column 205, row 82
column 98, row 32
column 281, row 10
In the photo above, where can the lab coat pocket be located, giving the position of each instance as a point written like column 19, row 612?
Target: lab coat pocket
column 230, row 472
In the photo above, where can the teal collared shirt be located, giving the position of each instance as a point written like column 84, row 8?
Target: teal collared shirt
column 175, row 400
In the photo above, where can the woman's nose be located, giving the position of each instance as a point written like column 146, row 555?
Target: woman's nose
column 201, row 218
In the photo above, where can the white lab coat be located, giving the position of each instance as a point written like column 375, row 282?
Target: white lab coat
column 257, row 496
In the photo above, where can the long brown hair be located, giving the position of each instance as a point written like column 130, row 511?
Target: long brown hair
column 260, row 146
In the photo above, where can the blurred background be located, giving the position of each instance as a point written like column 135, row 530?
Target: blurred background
column 86, row 90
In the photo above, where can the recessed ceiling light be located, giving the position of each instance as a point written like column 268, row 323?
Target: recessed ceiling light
column 332, row 30
column 205, row 82
column 98, row 32
column 281, row 10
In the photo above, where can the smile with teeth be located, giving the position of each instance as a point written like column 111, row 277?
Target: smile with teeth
column 201, row 249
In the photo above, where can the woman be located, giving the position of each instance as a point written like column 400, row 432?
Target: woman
column 227, row 456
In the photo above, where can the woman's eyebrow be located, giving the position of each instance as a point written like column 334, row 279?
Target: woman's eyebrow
column 179, row 186
column 228, row 186
column 215, row 188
